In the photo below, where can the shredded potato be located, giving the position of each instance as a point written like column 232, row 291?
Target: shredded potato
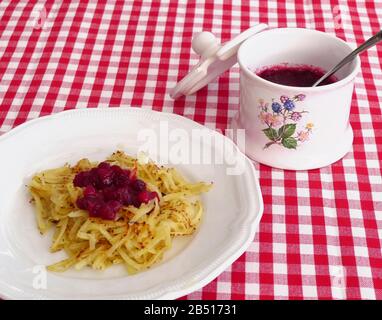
column 138, row 237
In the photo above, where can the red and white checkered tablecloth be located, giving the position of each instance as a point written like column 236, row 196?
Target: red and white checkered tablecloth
column 320, row 235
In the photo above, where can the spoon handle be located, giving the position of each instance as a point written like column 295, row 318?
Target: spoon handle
column 366, row 45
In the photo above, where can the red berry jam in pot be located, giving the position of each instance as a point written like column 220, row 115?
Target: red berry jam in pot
column 296, row 76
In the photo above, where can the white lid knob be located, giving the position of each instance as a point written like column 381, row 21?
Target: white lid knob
column 203, row 42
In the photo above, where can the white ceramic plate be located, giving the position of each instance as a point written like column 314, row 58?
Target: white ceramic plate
column 233, row 207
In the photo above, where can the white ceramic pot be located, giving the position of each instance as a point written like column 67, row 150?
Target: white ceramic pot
column 313, row 130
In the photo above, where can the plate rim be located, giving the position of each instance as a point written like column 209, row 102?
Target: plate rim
column 212, row 270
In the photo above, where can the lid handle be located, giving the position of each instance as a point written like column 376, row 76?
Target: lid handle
column 205, row 44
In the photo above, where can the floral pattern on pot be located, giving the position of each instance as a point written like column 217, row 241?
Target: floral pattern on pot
column 281, row 118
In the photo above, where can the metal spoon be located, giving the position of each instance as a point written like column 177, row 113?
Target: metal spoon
column 366, row 45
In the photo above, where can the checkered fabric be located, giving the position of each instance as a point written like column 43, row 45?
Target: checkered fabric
column 319, row 237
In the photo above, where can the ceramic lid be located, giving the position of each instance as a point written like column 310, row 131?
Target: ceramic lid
column 215, row 58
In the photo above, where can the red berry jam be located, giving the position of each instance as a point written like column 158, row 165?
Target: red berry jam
column 107, row 188
column 296, row 76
